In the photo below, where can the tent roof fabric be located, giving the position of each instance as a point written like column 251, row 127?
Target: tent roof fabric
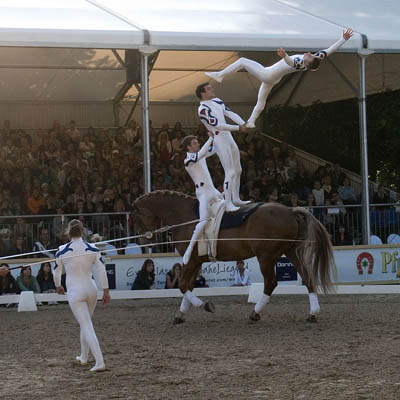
column 62, row 50
column 206, row 25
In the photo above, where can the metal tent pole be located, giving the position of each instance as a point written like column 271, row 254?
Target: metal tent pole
column 362, row 112
column 145, row 52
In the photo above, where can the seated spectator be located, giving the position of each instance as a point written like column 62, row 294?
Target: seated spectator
column 49, row 207
column 164, row 147
column 18, row 247
column 291, row 162
column 282, row 170
column 319, row 173
column 347, row 193
column 273, row 195
column 27, row 282
column 177, row 129
column 337, row 175
column 133, row 132
column 342, row 237
column 336, row 201
column 380, row 197
column 172, row 277
column 327, row 185
column 45, row 278
column 145, row 277
column 318, row 193
column 73, row 132
column 176, row 142
column 8, row 284
column 44, row 244
column 35, row 200
column 319, row 197
column 255, row 194
column 302, row 181
column 86, row 147
column 293, row 200
column 310, row 203
column 242, row 276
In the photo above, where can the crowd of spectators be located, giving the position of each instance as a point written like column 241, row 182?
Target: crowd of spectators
column 66, row 170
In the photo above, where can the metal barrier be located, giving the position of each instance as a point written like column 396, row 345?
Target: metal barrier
column 108, row 226
column 385, row 221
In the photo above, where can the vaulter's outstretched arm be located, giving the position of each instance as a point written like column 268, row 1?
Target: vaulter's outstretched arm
column 218, row 126
column 346, row 35
column 233, row 116
column 205, row 148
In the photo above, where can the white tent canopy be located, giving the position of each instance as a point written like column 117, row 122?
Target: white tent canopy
column 61, row 51
column 190, row 24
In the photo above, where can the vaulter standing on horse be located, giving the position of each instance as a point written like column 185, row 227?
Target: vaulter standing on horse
column 196, row 166
column 212, row 112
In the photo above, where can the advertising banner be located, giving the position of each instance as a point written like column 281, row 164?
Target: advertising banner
column 354, row 265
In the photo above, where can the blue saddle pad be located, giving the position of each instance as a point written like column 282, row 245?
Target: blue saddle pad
column 231, row 220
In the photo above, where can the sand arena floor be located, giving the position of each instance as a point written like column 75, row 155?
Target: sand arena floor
column 353, row 352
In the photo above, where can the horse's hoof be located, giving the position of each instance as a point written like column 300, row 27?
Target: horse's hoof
column 312, row 319
column 254, row 317
column 209, row 307
column 178, row 320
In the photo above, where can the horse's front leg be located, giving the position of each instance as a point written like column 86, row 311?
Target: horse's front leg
column 186, row 285
column 267, row 266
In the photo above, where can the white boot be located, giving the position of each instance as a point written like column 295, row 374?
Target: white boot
column 229, row 207
column 98, row 368
column 81, row 360
column 215, row 76
column 241, row 202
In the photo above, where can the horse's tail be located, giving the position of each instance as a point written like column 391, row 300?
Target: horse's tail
column 315, row 252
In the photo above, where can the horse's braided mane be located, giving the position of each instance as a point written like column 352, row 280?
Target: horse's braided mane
column 165, row 193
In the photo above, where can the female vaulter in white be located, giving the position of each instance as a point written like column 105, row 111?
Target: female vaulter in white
column 270, row 76
column 77, row 259
column 212, row 112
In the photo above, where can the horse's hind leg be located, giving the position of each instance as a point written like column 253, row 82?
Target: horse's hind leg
column 267, row 266
column 312, row 292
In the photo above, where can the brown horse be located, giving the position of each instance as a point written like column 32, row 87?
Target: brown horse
column 293, row 232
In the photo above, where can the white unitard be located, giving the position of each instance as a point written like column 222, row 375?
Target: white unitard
column 212, row 113
column 270, row 76
column 196, row 166
column 82, row 289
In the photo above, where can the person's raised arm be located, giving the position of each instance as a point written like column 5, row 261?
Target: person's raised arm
column 212, row 123
column 206, row 146
column 346, row 35
column 233, row 116
column 282, row 54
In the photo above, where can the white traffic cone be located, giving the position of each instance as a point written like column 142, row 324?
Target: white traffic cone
column 27, row 302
